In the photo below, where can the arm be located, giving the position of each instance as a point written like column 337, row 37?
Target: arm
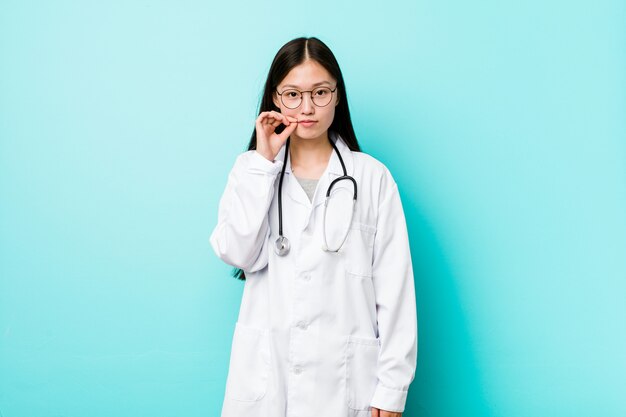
column 395, row 303
column 242, row 229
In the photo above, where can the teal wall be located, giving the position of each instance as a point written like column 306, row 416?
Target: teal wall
column 503, row 123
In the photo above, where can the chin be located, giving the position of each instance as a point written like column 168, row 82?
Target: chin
column 307, row 136
column 308, row 133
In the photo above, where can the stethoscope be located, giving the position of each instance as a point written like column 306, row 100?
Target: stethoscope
column 282, row 243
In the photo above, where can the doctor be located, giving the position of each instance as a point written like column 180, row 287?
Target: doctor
column 327, row 324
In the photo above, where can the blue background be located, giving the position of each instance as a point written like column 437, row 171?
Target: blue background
column 503, row 123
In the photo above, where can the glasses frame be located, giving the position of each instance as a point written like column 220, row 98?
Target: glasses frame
column 332, row 90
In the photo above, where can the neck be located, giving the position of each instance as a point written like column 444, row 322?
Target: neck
column 309, row 154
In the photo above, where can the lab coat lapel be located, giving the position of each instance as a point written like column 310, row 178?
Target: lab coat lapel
column 291, row 186
column 334, row 170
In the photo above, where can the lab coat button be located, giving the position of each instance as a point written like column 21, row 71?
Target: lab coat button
column 297, row 370
column 306, row 276
column 302, row 325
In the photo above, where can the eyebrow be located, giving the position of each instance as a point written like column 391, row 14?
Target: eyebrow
column 314, row 85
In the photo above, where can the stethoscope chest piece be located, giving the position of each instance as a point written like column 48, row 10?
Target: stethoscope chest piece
column 282, row 246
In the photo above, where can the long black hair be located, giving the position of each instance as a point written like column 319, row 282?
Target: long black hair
column 290, row 55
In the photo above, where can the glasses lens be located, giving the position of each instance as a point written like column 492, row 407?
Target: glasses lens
column 321, row 96
column 291, row 98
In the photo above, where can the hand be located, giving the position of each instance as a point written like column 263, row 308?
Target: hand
column 376, row 412
column 268, row 142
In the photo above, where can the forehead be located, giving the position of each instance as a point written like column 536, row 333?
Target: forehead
column 309, row 74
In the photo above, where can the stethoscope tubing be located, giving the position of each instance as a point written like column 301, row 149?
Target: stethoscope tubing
column 282, row 243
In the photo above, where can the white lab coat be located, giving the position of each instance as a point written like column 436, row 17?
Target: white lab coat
column 319, row 333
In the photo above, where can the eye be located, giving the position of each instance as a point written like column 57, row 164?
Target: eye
column 321, row 92
column 291, row 94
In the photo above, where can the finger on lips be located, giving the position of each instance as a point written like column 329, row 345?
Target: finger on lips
column 275, row 118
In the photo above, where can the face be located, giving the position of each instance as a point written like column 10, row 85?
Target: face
column 306, row 77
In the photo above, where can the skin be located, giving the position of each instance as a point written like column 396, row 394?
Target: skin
column 309, row 148
column 382, row 413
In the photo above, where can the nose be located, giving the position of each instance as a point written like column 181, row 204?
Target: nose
column 307, row 103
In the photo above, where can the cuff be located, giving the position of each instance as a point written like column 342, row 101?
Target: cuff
column 389, row 399
column 259, row 163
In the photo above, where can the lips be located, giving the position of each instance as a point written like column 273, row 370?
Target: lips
column 306, row 123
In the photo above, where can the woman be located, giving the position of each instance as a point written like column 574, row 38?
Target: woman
column 327, row 324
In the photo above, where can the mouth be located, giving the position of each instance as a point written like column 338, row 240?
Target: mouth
column 306, row 123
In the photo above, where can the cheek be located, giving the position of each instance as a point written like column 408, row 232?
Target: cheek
column 289, row 112
column 329, row 115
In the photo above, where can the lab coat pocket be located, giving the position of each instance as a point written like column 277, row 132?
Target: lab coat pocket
column 359, row 249
column 249, row 367
column 361, row 366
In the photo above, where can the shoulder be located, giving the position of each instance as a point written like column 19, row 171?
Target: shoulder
column 376, row 178
column 373, row 169
column 252, row 161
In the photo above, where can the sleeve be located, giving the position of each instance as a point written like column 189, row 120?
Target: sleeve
column 242, row 231
column 396, row 308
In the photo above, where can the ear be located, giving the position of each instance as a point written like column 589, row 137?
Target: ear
column 275, row 99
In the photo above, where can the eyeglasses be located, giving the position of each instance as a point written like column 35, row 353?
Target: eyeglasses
column 320, row 96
